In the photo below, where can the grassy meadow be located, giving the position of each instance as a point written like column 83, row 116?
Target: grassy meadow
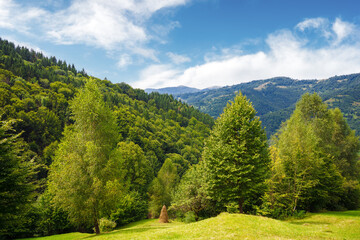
column 329, row 225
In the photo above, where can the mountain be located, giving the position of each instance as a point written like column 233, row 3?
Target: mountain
column 178, row 90
column 275, row 98
column 173, row 90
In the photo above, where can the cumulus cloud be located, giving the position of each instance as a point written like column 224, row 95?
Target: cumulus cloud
column 288, row 55
column 112, row 25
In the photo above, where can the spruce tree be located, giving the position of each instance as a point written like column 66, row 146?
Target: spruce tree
column 236, row 155
column 17, row 180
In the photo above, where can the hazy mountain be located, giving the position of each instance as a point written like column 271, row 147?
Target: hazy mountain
column 173, row 90
column 274, row 99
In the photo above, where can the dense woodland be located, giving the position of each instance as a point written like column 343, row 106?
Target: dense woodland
column 82, row 154
column 275, row 99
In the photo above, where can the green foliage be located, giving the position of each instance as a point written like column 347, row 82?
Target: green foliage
column 191, row 194
column 106, row 225
column 130, row 207
column 190, row 217
column 84, row 180
column 236, row 155
column 151, row 127
column 17, row 181
column 50, row 219
column 162, row 188
column 232, row 207
column 309, row 156
column 135, row 169
column 275, row 99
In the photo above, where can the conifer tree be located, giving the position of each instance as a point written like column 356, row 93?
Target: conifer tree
column 17, row 180
column 236, row 154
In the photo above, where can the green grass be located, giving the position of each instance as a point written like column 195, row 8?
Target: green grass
column 329, row 225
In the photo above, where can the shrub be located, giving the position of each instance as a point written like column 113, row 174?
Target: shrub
column 232, row 207
column 190, row 217
column 106, row 225
column 132, row 207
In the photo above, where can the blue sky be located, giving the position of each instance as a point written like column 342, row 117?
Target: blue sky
column 197, row 43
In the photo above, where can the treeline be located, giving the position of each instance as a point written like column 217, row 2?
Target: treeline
column 36, row 93
column 275, row 99
column 312, row 164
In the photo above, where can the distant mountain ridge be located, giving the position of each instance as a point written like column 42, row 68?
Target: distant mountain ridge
column 173, row 90
column 274, row 99
column 178, row 90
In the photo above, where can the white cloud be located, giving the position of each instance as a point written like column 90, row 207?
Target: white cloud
column 288, row 55
column 312, row 23
column 124, row 61
column 13, row 16
column 118, row 25
column 178, row 59
column 342, row 30
column 157, row 75
column 320, row 24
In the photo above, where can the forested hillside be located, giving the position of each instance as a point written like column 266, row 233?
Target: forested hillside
column 274, row 99
column 35, row 94
column 79, row 153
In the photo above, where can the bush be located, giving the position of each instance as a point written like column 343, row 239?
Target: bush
column 132, row 207
column 190, row 217
column 106, row 225
column 232, row 208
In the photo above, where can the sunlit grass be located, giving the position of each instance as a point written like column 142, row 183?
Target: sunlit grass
column 330, row 225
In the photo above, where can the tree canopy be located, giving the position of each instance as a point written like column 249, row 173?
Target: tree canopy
column 83, row 177
column 236, row 155
column 315, row 157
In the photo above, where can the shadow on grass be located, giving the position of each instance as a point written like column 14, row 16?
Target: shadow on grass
column 309, row 223
column 354, row 213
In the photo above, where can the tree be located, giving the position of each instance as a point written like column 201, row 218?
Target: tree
column 236, row 154
column 17, row 180
column 84, row 179
column 162, row 187
column 314, row 160
column 191, row 194
column 136, row 172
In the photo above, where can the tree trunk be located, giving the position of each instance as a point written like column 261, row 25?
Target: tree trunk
column 96, row 225
column 241, row 202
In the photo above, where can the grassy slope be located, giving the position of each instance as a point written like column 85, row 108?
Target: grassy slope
column 331, row 225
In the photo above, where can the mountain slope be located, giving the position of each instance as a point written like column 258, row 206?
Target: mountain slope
column 37, row 90
column 275, row 99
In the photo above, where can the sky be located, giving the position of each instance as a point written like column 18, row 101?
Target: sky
column 195, row 43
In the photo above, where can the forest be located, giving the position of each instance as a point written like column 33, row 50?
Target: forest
column 274, row 99
column 80, row 153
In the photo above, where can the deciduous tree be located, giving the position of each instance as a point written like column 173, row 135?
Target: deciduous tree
column 84, row 179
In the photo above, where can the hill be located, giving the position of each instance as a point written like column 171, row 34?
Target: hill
column 35, row 92
column 331, row 225
column 275, row 99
